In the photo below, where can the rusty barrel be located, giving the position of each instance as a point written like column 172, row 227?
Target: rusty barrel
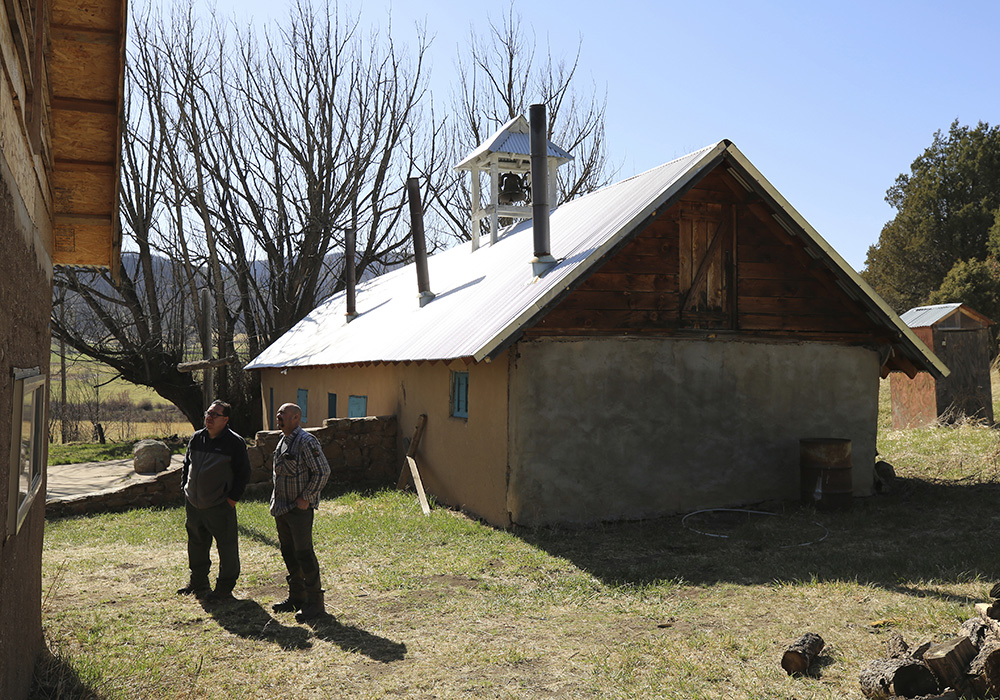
column 826, row 472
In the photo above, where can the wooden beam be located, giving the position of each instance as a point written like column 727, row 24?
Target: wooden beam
column 412, row 451
column 205, row 364
column 424, row 505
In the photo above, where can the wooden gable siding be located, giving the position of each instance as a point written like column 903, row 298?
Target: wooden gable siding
column 716, row 261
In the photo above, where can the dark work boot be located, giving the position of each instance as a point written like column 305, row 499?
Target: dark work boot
column 289, row 604
column 314, row 607
column 199, row 589
column 296, row 599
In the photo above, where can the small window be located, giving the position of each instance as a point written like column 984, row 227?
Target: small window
column 331, row 405
column 302, row 399
column 460, row 394
column 28, row 441
column 357, row 406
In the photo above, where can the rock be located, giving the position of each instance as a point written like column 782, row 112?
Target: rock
column 151, row 457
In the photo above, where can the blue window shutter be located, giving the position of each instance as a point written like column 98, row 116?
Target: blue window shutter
column 357, row 406
column 460, row 394
column 270, row 415
column 302, row 399
column 331, row 405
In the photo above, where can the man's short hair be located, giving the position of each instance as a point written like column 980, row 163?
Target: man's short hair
column 226, row 408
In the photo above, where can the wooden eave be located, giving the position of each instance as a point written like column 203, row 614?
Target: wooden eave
column 86, row 59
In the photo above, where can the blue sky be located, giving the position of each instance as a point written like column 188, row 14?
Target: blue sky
column 830, row 100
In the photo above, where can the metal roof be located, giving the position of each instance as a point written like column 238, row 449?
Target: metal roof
column 511, row 139
column 923, row 316
column 484, row 298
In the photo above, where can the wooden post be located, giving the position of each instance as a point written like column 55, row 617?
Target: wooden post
column 419, row 485
column 409, row 470
column 404, row 473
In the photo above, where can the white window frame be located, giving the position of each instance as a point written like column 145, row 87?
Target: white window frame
column 27, row 451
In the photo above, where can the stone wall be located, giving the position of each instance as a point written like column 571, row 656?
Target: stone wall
column 162, row 490
column 361, row 453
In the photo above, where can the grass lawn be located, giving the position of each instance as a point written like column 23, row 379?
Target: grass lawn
column 445, row 607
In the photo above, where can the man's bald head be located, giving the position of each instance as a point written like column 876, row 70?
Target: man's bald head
column 288, row 416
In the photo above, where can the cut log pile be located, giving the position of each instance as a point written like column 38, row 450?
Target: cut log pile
column 964, row 666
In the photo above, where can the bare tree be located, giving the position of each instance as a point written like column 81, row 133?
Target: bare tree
column 499, row 77
column 245, row 159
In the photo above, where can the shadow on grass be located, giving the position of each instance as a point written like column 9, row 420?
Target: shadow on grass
column 920, row 531
column 247, row 619
column 354, row 639
column 55, row 677
column 263, row 538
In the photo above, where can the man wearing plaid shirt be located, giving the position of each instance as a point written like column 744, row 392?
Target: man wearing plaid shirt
column 300, row 472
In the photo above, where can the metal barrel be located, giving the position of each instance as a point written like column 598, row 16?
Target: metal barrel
column 826, row 472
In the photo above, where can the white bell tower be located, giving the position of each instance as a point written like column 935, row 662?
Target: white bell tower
column 506, row 157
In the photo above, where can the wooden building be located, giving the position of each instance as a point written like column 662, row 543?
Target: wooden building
column 960, row 336
column 60, row 116
column 692, row 330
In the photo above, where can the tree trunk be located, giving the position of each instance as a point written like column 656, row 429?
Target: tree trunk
column 888, row 677
column 798, row 657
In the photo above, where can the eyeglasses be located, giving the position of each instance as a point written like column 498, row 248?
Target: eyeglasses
column 209, row 414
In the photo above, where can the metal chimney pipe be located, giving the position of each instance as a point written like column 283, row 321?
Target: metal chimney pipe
column 419, row 244
column 539, row 142
column 350, row 246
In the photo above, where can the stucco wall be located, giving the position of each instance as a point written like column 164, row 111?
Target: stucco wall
column 625, row 428
column 462, row 462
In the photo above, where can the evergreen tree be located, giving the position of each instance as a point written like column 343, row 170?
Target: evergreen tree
column 945, row 210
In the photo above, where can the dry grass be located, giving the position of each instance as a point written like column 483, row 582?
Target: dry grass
column 445, row 607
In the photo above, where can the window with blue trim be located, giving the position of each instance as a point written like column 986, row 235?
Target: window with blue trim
column 270, row 414
column 302, row 399
column 357, row 406
column 331, row 405
column 460, row 394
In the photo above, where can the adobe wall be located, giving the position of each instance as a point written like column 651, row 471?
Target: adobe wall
column 26, row 298
column 628, row 428
column 462, row 461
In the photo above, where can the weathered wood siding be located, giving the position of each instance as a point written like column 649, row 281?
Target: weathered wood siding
column 714, row 262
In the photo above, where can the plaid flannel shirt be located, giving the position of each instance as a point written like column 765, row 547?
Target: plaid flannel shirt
column 300, row 469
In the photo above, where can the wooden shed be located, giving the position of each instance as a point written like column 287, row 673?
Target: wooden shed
column 691, row 330
column 960, row 337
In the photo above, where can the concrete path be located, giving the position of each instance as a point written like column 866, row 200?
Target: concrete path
column 91, row 477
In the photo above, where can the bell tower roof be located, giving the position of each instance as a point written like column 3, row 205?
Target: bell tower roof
column 511, row 147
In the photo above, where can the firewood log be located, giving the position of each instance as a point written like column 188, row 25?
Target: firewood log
column 949, row 660
column 801, row 653
column 907, row 677
column 984, row 670
column 976, row 629
column 896, row 647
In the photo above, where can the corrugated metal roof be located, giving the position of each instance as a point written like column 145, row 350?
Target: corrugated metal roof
column 486, row 297
column 923, row 316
